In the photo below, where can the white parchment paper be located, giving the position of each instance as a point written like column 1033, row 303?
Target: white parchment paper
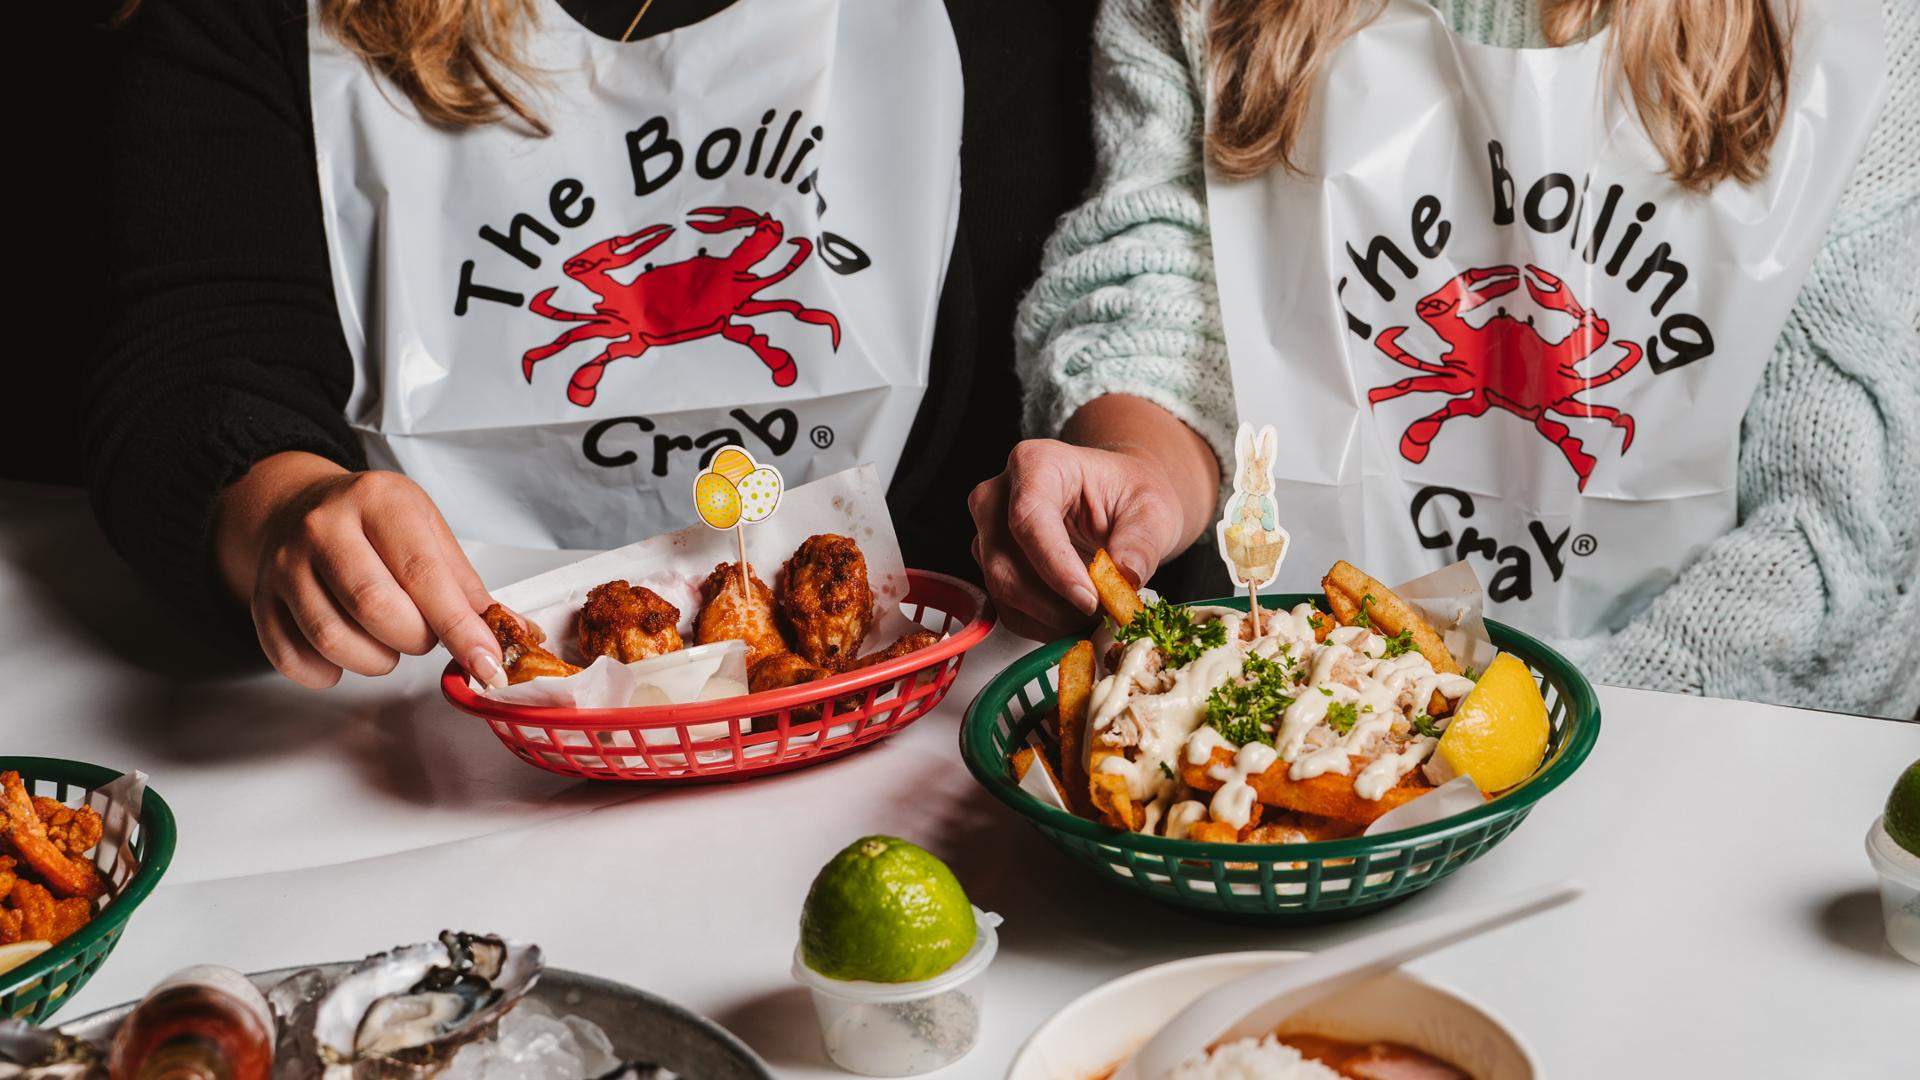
column 850, row 503
column 1452, row 601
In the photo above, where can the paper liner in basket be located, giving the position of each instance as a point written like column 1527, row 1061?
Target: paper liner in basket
column 851, row 503
column 118, row 804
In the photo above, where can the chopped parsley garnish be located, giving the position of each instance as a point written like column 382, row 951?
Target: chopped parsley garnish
column 1166, row 770
column 1473, row 673
column 1289, row 665
column 1364, row 618
column 1427, row 725
column 1342, row 715
column 1246, row 710
column 1179, row 638
column 1400, row 644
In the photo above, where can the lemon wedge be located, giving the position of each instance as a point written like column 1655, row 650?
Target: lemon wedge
column 12, row 956
column 1499, row 733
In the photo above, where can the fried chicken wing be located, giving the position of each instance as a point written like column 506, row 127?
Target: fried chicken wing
column 827, row 600
column 520, row 647
column 628, row 623
column 729, row 614
column 910, row 642
column 781, row 670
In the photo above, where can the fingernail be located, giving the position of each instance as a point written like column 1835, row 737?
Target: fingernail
column 481, row 665
column 1085, row 600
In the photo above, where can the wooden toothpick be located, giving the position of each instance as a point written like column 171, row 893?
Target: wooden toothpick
column 740, row 530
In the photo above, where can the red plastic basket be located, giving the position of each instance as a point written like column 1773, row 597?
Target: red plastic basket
column 740, row 737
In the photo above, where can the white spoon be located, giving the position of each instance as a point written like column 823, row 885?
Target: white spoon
column 1286, row 988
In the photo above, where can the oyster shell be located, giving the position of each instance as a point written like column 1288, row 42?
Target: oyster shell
column 640, row 1070
column 45, row 1054
column 404, row 1013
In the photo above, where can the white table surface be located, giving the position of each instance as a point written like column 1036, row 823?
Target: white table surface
column 1731, row 926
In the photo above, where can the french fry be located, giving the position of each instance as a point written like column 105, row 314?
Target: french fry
column 1213, row 832
column 1075, row 691
column 1345, row 609
column 1291, row 828
column 1349, row 587
column 1112, row 804
column 1119, row 598
column 1388, row 612
column 1328, row 795
column 1031, row 754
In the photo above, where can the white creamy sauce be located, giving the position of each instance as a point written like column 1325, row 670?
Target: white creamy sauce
column 1383, row 772
column 1183, row 816
column 1233, row 803
column 1158, row 717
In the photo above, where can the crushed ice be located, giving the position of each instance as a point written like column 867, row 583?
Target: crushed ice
column 534, row 1044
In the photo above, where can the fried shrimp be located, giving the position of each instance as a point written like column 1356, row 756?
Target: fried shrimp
column 520, row 647
column 827, row 600
column 628, row 623
column 72, row 830
column 729, row 614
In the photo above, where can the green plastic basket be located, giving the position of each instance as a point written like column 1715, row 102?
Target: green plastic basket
column 35, row 990
column 1274, row 883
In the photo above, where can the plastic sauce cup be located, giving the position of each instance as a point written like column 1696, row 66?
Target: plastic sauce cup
column 1899, row 889
column 903, row 1029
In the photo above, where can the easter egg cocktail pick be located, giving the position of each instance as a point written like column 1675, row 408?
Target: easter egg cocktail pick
column 735, row 491
column 1252, row 543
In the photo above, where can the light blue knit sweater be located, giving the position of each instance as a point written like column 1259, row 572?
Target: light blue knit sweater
column 1814, row 599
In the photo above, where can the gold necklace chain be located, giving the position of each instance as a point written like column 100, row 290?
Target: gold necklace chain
column 637, row 16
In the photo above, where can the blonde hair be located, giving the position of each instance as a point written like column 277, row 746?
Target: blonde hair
column 1708, row 78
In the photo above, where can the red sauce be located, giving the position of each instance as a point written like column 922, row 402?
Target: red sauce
column 1362, row 1061
column 1373, row 1061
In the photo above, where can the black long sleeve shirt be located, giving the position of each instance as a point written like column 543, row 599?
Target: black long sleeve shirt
column 222, row 344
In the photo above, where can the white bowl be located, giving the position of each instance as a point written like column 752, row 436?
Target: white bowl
column 1109, row 1022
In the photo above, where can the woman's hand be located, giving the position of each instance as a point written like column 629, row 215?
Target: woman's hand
column 347, row 570
column 1131, row 478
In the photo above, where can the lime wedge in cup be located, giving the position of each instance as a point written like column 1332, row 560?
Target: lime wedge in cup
column 885, row 910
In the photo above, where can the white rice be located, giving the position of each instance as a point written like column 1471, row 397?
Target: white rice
column 1253, row 1059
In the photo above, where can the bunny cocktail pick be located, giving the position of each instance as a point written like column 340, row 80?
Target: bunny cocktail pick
column 1252, row 543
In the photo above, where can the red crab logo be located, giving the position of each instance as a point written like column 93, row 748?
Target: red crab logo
column 682, row 301
column 1505, row 362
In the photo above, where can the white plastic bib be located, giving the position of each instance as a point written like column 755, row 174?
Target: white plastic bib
column 1488, row 326
column 736, row 232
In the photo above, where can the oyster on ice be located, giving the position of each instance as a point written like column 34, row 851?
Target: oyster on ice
column 404, row 1013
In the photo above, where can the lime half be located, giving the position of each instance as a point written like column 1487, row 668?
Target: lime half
column 1903, row 810
column 885, row 910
